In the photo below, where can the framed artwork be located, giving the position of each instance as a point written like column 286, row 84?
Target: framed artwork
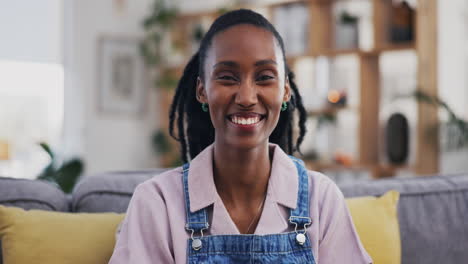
column 121, row 76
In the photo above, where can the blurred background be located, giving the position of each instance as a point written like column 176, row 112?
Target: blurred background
column 85, row 85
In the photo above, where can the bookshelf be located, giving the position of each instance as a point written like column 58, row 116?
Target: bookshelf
column 321, row 42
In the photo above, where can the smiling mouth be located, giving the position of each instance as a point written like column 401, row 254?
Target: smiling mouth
column 246, row 119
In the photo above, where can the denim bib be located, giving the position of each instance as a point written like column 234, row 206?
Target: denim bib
column 291, row 247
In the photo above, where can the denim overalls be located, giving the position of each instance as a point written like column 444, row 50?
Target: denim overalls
column 292, row 247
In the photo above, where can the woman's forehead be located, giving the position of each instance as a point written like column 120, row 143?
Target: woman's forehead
column 244, row 42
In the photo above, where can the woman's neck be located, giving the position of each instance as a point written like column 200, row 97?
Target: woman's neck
column 241, row 175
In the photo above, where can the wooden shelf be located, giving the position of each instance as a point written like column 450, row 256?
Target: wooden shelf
column 393, row 47
column 377, row 171
column 337, row 52
column 331, row 110
column 321, row 43
column 215, row 12
column 280, row 3
column 357, row 51
column 322, row 165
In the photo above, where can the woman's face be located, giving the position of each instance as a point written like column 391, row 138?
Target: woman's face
column 244, row 85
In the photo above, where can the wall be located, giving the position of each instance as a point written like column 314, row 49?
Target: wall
column 31, row 83
column 453, row 72
column 106, row 142
column 31, row 30
column 112, row 143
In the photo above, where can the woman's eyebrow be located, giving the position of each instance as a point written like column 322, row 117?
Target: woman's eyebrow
column 232, row 64
column 265, row 62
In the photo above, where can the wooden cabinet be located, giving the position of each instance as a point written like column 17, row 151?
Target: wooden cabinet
column 321, row 43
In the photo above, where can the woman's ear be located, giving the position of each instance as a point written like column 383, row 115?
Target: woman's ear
column 200, row 92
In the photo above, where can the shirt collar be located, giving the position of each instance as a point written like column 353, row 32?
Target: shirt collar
column 282, row 185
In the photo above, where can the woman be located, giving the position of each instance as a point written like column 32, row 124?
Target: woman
column 241, row 199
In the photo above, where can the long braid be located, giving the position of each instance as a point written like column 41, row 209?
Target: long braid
column 290, row 135
column 302, row 112
column 177, row 112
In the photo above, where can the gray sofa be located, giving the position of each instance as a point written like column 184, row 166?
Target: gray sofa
column 433, row 211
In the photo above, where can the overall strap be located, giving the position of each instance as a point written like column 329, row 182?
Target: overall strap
column 300, row 216
column 197, row 221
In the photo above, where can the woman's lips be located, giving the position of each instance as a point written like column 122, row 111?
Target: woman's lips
column 246, row 120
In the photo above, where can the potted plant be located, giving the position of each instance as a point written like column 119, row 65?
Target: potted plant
column 63, row 174
column 346, row 31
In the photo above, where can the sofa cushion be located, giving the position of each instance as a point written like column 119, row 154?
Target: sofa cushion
column 371, row 216
column 108, row 192
column 38, row 236
column 32, row 194
column 432, row 212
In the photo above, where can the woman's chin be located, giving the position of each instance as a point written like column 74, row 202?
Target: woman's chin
column 245, row 143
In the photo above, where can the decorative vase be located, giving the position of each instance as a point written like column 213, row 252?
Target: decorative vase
column 397, row 138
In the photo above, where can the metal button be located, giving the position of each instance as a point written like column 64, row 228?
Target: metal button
column 196, row 244
column 301, row 239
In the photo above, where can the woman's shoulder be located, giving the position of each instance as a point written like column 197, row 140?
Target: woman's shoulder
column 323, row 186
column 320, row 178
column 317, row 179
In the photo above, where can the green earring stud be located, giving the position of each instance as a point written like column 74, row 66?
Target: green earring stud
column 284, row 106
column 204, row 107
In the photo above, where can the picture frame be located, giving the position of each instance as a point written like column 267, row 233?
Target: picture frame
column 121, row 82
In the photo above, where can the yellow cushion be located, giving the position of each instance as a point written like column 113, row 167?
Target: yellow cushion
column 37, row 236
column 376, row 222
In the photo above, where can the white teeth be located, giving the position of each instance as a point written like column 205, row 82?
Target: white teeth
column 245, row 121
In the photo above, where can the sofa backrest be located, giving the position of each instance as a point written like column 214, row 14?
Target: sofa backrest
column 32, row 194
column 433, row 216
column 433, row 211
column 108, row 192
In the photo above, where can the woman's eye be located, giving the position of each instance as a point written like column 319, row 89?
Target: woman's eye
column 263, row 78
column 226, row 78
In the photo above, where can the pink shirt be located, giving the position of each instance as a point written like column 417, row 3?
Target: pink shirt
column 153, row 230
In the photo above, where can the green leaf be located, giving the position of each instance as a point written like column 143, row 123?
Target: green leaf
column 176, row 162
column 167, row 82
column 67, row 175
column 156, row 25
column 48, row 173
column 47, row 149
column 347, row 18
column 454, row 120
column 160, row 142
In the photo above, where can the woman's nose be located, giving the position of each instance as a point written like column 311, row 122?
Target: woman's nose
column 246, row 94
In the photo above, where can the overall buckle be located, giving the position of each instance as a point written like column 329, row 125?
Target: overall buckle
column 196, row 241
column 300, row 234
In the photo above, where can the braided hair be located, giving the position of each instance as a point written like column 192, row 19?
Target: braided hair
column 194, row 128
